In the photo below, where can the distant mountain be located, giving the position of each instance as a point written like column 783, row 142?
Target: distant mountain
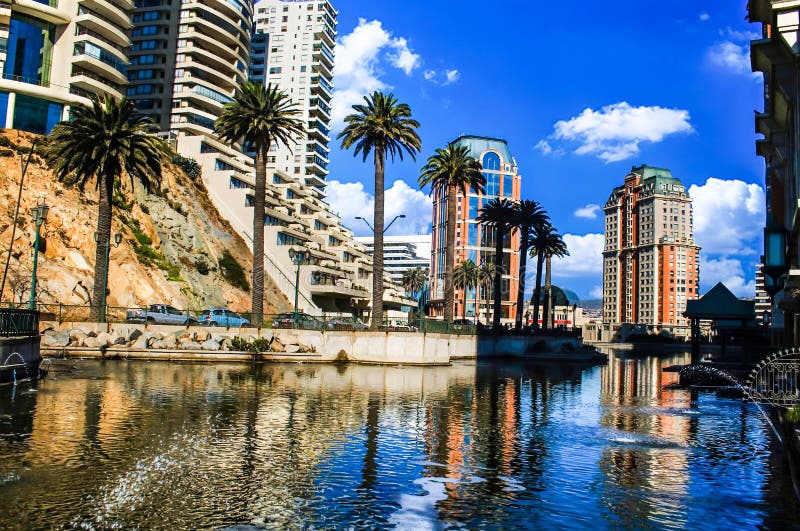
column 592, row 304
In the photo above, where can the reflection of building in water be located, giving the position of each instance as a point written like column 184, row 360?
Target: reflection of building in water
column 628, row 387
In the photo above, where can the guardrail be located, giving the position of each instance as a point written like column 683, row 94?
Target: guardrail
column 66, row 313
column 18, row 322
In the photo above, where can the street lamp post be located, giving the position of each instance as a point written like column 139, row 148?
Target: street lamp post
column 39, row 215
column 401, row 216
column 117, row 242
column 298, row 258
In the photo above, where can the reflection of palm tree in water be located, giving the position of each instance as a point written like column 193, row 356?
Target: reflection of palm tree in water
column 369, row 472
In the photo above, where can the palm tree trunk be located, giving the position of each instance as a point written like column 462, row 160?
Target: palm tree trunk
column 547, row 317
column 464, row 313
column 450, row 258
column 539, row 260
column 106, row 189
column 498, row 281
column 258, row 236
column 377, row 258
column 523, row 264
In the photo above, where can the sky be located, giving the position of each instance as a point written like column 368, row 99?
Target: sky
column 582, row 91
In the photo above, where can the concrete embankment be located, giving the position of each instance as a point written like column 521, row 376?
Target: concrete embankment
column 131, row 341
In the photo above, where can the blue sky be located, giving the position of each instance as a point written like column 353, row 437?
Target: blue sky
column 581, row 91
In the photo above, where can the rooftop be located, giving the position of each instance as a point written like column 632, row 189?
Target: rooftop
column 479, row 144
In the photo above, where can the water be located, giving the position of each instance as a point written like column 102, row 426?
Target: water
column 102, row 445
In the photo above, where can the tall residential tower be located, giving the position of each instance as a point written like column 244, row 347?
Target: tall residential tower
column 473, row 241
column 651, row 264
column 296, row 41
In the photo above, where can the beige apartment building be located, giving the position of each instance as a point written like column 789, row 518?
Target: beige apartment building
column 57, row 54
column 651, row 263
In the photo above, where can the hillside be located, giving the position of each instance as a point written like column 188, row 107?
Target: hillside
column 170, row 252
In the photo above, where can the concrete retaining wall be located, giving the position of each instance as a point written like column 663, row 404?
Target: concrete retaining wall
column 394, row 348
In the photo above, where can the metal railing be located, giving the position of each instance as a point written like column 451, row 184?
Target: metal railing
column 67, row 313
column 18, row 322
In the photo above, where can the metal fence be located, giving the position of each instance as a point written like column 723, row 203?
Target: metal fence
column 66, row 313
column 18, row 322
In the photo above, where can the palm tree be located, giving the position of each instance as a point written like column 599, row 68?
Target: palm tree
column 451, row 169
column 414, row 280
column 530, row 214
column 465, row 276
column 545, row 242
column 259, row 116
column 105, row 141
column 500, row 214
column 382, row 126
column 485, row 277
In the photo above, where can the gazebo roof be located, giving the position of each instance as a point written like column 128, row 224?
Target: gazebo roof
column 720, row 304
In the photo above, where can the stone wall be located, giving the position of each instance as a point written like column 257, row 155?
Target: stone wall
column 204, row 343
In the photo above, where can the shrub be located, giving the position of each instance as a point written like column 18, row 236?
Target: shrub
column 202, row 266
column 258, row 345
column 793, row 415
column 189, row 166
column 232, row 271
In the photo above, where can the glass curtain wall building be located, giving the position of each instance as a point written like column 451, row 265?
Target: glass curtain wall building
column 475, row 242
column 57, row 53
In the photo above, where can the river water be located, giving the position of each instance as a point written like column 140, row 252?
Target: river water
column 101, row 445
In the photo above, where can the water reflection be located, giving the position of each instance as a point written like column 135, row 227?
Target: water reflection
column 159, row 445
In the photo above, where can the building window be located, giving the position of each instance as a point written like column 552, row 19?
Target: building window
column 491, row 161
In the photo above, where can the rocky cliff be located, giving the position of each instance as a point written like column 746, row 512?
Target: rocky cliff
column 175, row 248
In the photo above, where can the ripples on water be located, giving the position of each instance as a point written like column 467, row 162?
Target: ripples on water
column 158, row 445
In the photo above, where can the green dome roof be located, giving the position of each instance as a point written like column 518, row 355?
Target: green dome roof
column 561, row 297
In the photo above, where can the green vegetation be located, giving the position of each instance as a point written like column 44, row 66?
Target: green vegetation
column 257, row 345
column 143, row 247
column 120, row 200
column 189, row 166
column 232, row 271
column 793, row 415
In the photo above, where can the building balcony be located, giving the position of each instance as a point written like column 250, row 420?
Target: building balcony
column 228, row 52
column 764, row 53
column 320, row 86
column 90, row 82
column 101, row 68
column 188, row 119
column 49, row 12
column 103, row 27
column 197, row 54
column 111, row 12
column 234, row 9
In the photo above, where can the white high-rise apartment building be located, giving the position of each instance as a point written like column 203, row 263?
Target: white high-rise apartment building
column 298, row 53
column 401, row 253
column 651, row 263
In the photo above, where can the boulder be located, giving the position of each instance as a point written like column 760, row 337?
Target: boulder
column 225, row 343
column 202, row 336
column 56, row 339
column 168, row 343
column 267, row 334
column 143, row 341
column 276, row 345
column 191, row 345
column 210, row 344
column 99, row 342
column 291, row 349
column 182, row 334
column 77, row 337
column 135, row 334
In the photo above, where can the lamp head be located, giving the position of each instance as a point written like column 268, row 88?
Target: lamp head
column 118, row 238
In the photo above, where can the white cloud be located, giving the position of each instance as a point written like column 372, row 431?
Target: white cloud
column 585, row 256
column 732, row 58
column 402, row 57
column 588, row 212
column 544, row 146
column 596, row 293
column 359, row 56
column 730, row 272
column 704, row 17
column 429, row 75
column 350, row 200
column 615, row 132
column 728, row 216
column 739, row 35
column 451, row 76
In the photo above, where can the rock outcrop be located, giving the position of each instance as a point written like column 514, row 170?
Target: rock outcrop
column 180, row 226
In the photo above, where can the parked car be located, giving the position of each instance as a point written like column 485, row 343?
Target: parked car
column 396, row 325
column 304, row 321
column 462, row 324
column 345, row 323
column 160, row 314
column 222, row 317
